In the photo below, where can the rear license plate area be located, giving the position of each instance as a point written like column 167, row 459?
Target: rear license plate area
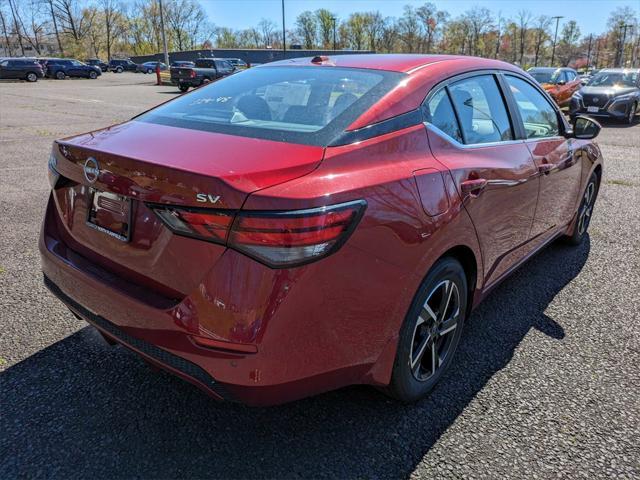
column 110, row 214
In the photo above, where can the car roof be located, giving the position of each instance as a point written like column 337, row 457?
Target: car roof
column 395, row 62
column 619, row 70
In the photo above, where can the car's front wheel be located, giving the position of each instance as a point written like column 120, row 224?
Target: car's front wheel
column 119, row 70
column 149, row 70
column 585, row 211
column 60, row 75
column 183, row 88
column 93, row 75
column 32, row 77
column 431, row 331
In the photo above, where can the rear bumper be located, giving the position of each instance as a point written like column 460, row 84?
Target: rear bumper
column 307, row 343
column 162, row 358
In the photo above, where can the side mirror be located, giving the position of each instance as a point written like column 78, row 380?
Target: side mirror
column 585, row 128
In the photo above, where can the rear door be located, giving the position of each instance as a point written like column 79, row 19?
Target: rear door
column 471, row 132
column 5, row 70
column 554, row 155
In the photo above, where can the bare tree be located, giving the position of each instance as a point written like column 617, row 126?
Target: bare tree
column 16, row 26
column 524, row 18
column 325, row 19
column 55, row 26
column 267, row 29
column 3, row 22
column 541, row 36
column 306, row 26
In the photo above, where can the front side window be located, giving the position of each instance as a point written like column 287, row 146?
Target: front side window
column 539, row 117
column 306, row 105
column 481, row 110
column 440, row 114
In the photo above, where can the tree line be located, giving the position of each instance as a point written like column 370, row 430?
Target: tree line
column 108, row 28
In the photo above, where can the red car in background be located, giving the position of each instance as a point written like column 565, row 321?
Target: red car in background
column 315, row 223
column 560, row 83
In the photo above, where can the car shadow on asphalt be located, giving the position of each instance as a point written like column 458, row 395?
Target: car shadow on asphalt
column 82, row 409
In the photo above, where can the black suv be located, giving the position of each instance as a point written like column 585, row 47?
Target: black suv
column 96, row 62
column 119, row 66
column 21, row 68
column 62, row 68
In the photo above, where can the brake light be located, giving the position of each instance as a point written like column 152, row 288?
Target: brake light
column 192, row 74
column 277, row 239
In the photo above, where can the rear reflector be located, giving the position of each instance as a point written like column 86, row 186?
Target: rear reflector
column 277, row 239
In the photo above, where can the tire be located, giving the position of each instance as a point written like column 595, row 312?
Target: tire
column 631, row 116
column 183, row 88
column 431, row 332
column 119, row 69
column 31, row 77
column 93, row 75
column 584, row 211
column 149, row 70
column 60, row 75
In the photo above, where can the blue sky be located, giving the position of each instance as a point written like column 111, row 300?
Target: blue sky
column 591, row 15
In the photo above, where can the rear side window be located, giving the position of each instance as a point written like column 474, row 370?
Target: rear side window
column 440, row 114
column 481, row 110
column 539, row 117
column 307, row 105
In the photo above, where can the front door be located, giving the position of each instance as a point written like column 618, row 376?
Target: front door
column 494, row 172
column 554, row 156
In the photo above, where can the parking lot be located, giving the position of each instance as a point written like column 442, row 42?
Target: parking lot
column 545, row 383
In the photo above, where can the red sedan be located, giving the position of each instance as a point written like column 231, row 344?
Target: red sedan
column 315, row 223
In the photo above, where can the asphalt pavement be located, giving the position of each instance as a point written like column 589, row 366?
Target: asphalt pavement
column 545, row 383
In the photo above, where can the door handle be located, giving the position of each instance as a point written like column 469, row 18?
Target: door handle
column 473, row 187
column 545, row 168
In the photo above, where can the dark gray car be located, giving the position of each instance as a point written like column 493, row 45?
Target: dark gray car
column 612, row 92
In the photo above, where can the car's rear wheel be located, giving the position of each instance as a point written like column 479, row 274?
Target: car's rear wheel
column 585, row 211
column 31, row 77
column 431, row 331
column 60, row 75
column 631, row 115
column 93, row 75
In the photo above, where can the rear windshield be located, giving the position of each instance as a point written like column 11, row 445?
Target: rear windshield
column 308, row 105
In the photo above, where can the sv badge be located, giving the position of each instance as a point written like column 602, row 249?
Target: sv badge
column 207, row 198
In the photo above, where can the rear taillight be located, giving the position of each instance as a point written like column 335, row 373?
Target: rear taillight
column 192, row 74
column 277, row 239
column 52, row 171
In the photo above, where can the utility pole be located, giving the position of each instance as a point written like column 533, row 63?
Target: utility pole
column 284, row 34
column 624, row 39
column 334, row 32
column 589, row 51
column 555, row 38
column 164, row 36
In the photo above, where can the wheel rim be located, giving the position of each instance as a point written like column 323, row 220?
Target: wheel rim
column 31, row 77
column 60, row 75
column 632, row 112
column 587, row 208
column 434, row 331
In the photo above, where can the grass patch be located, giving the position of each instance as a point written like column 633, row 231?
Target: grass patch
column 624, row 183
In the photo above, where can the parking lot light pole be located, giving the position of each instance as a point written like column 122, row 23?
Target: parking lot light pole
column 284, row 34
column 555, row 38
column 164, row 36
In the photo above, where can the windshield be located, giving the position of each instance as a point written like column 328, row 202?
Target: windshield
column 614, row 79
column 309, row 105
column 546, row 76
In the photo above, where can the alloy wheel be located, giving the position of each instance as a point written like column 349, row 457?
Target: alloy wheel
column 31, row 77
column 434, row 330
column 587, row 208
